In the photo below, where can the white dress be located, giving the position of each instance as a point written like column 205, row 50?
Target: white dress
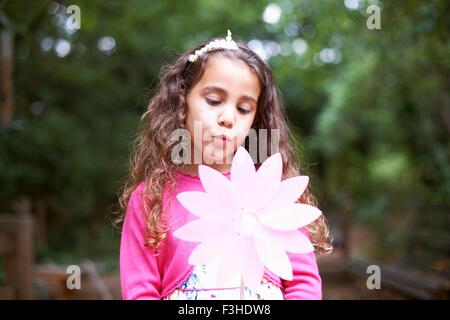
column 200, row 285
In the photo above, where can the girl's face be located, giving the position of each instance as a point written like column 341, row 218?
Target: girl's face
column 224, row 104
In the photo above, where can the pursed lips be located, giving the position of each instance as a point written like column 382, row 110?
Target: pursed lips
column 223, row 137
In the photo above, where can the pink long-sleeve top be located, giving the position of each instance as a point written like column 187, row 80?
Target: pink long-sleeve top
column 147, row 274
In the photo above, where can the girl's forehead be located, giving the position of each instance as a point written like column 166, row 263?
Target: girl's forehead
column 231, row 75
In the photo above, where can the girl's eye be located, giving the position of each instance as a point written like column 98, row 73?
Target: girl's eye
column 213, row 102
column 243, row 111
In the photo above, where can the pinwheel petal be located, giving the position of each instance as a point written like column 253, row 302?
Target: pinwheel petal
column 253, row 268
column 289, row 191
column 272, row 167
column 267, row 182
column 220, row 188
column 290, row 217
column 231, row 262
column 243, row 177
column 274, row 258
column 242, row 167
column 204, row 229
column 208, row 251
column 290, row 240
column 203, row 205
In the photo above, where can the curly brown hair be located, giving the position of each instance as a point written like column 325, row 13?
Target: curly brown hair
column 166, row 112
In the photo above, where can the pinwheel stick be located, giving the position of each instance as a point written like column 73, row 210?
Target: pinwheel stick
column 242, row 287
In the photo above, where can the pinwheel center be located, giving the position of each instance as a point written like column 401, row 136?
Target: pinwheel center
column 246, row 223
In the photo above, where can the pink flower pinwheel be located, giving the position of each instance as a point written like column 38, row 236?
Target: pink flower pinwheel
column 248, row 222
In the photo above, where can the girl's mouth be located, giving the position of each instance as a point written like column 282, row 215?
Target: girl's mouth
column 223, row 137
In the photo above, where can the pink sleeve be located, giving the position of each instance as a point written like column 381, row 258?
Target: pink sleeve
column 306, row 283
column 139, row 275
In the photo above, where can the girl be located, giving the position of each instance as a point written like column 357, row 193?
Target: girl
column 227, row 89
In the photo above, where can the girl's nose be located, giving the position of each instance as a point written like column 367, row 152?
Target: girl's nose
column 226, row 117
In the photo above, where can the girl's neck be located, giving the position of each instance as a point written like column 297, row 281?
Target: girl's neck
column 192, row 169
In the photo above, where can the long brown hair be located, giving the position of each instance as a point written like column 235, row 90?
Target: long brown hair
column 151, row 151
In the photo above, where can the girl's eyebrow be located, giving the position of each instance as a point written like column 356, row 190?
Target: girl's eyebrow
column 222, row 91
